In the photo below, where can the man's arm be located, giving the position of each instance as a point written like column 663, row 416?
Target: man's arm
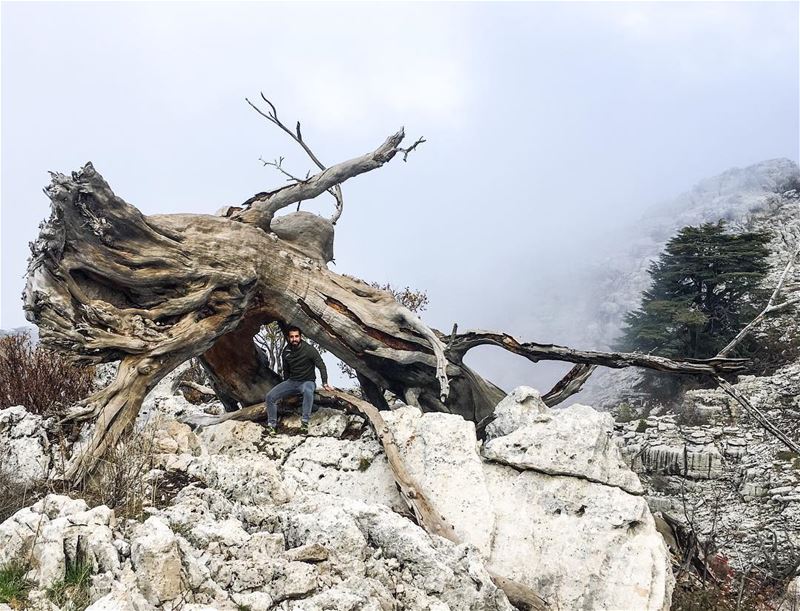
column 320, row 364
column 285, row 365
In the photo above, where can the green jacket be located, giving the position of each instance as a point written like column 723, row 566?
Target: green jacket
column 298, row 363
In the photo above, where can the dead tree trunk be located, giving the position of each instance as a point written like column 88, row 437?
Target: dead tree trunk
column 107, row 283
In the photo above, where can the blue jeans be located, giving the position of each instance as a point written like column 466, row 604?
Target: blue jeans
column 286, row 388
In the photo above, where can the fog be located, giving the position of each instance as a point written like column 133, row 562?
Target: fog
column 547, row 126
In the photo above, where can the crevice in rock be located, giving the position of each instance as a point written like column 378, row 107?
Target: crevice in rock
column 556, row 473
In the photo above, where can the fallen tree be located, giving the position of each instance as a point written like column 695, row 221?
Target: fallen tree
column 107, row 283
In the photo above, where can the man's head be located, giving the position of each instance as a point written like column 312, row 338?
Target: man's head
column 293, row 335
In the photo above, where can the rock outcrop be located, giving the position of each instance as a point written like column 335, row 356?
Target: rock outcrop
column 714, row 466
column 560, row 510
column 316, row 522
column 24, row 446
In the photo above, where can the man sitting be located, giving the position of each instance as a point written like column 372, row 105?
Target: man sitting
column 299, row 359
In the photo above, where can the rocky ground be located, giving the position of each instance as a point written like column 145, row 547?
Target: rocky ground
column 711, row 465
column 234, row 519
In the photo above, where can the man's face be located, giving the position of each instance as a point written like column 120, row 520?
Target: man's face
column 294, row 338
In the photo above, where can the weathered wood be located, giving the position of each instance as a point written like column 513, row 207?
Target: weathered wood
column 203, row 390
column 166, row 288
column 532, row 351
column 107, row 283
column 261, row 208
column 569, row 385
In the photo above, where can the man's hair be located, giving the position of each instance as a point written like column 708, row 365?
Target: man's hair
column 293, row 328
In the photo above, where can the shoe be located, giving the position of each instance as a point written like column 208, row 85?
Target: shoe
column 271, row 431
column 304, row 428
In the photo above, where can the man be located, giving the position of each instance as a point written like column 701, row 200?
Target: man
column 299, row 359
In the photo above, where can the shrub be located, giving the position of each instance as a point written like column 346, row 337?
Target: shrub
column 642, row 426
column 625, row 413
column 40, row 379
column 119, row 482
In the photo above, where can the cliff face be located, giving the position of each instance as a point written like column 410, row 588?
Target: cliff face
column 235, row 518
column 719, row 473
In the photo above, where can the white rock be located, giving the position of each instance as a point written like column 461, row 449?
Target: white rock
column 125, row 596
column 17, row 535
column 440, row 451
column 55, row 531
column 327, row 422
column 173, row 437
column 294, row 579
column 156, row 560
column 249, row 477
column 232, row 437
column 24, row 448
column 575, row 441
column 522, row 406
column 355, row 469
column 580, row 544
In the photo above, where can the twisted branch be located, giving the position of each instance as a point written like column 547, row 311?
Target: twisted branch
column 297, row 136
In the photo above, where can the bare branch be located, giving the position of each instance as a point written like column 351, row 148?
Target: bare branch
column 569, row 385
column 297, row 136
column 203, row 390
column 770, row 308
column 278, row 165
column 757, row 414
column 261, row 208
column 411, row 148
column 615, row 360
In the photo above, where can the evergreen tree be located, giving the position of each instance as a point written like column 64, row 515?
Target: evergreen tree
column 705, row 287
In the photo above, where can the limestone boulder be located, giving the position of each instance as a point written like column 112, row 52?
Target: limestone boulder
column 575, row 442
column 58, row 531
column 24, row 448
column 124, row 596
column 552, row 505
column 173, row 437
column 355, row 469
column 579, row 544
column 232, row 437
column 522, row 406
column 441, row 452
column 156, row 561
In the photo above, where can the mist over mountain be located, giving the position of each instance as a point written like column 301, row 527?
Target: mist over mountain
column 582, row 302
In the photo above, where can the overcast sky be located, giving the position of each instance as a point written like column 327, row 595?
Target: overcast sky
column 546, row 124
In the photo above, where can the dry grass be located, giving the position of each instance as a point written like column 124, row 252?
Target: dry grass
column 119, row 481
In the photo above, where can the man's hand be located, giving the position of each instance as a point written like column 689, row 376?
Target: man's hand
column 328, row 387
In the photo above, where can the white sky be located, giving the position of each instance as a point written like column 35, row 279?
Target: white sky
column 547, row 125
